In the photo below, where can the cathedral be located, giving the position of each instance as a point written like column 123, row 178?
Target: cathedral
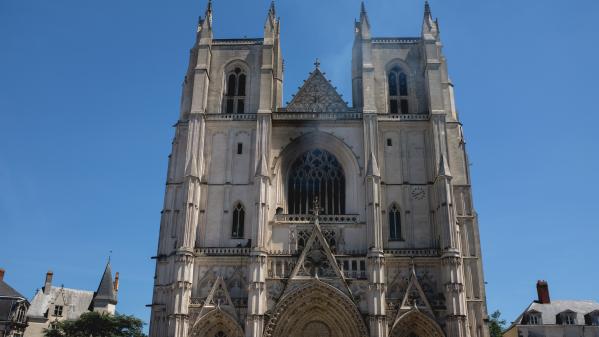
column 318, row 218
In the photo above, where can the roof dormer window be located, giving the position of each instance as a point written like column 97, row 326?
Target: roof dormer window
column 566, row 318
column 534, row 318
column 592, row 318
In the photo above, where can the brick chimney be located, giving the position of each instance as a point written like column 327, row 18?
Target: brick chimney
column 543, row 292
column 48, row 282
column 1, row 274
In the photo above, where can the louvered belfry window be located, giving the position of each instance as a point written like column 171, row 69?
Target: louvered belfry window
column 394, row 223
column 238, row 222
column 398, row 91
column 235, row 94
column 316, row 173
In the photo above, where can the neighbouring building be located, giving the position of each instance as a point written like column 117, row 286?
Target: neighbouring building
column 13, row 309
column 547, row 318
column 318, row 218
column 52, row 304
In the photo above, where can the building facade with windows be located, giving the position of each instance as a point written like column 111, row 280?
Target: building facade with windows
column 52, row 304
column 546, row 318
column 317, row 218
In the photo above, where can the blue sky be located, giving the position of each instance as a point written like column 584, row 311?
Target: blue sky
column 89, row 91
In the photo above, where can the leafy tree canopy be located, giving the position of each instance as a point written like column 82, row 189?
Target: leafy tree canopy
column 496, row 324
column 94, row 324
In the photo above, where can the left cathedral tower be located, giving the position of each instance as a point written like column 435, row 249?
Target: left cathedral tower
column 227, row 79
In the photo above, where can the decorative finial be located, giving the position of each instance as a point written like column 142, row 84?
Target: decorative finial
column 362, row 8
column 317, row 63
column 427, row 8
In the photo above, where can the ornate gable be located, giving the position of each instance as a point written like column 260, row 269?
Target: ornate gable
column 317, row 95
column 219, row 298
column 414, row 297
column 316, row 260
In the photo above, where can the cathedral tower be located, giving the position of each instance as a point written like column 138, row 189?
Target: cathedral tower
column 318, row 218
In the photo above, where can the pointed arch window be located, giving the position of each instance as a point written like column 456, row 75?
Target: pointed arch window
column 398, row 91
column 395, row 233
column 238, row 222
column 235, row 97
column 316, row 173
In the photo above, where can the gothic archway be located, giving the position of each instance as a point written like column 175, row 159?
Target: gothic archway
column 415, row 323
column 315, row 309
column 316, row 173
column 216, row 323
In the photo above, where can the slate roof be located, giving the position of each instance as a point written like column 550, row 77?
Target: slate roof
column 76, row 302
column 106, row 288
column 8, row 297
column 8, row 291
column 549, row 311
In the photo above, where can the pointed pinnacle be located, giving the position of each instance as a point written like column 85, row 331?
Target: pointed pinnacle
column 362, row 8
column 427, row 8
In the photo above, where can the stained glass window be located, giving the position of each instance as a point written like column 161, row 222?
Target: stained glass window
column 316, row 173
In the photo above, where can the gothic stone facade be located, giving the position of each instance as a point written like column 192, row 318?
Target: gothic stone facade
column 317, row 218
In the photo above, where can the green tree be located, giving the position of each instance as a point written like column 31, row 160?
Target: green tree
column 496, row 324
column 94, row 324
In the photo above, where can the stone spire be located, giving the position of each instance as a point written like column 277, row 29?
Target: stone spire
column 205, row 24
column 429, row 26
column 363, row 26
column 271, row 24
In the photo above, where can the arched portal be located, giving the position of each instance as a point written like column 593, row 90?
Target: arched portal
column 216, row 323
column 316, row 309
column 416, row 324
column 316, row 173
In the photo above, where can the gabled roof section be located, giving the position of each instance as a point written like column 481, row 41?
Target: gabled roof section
column 317, row 95
column 106, row 288
column 549, row 311
column 76, row 301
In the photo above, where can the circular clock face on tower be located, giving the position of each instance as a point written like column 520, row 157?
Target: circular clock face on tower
column 418, row 193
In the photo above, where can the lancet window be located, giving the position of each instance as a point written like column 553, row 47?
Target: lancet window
column 238, row 221
column 316, row 173
column 395, row 223
column 235, row 97
column 398, row 91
